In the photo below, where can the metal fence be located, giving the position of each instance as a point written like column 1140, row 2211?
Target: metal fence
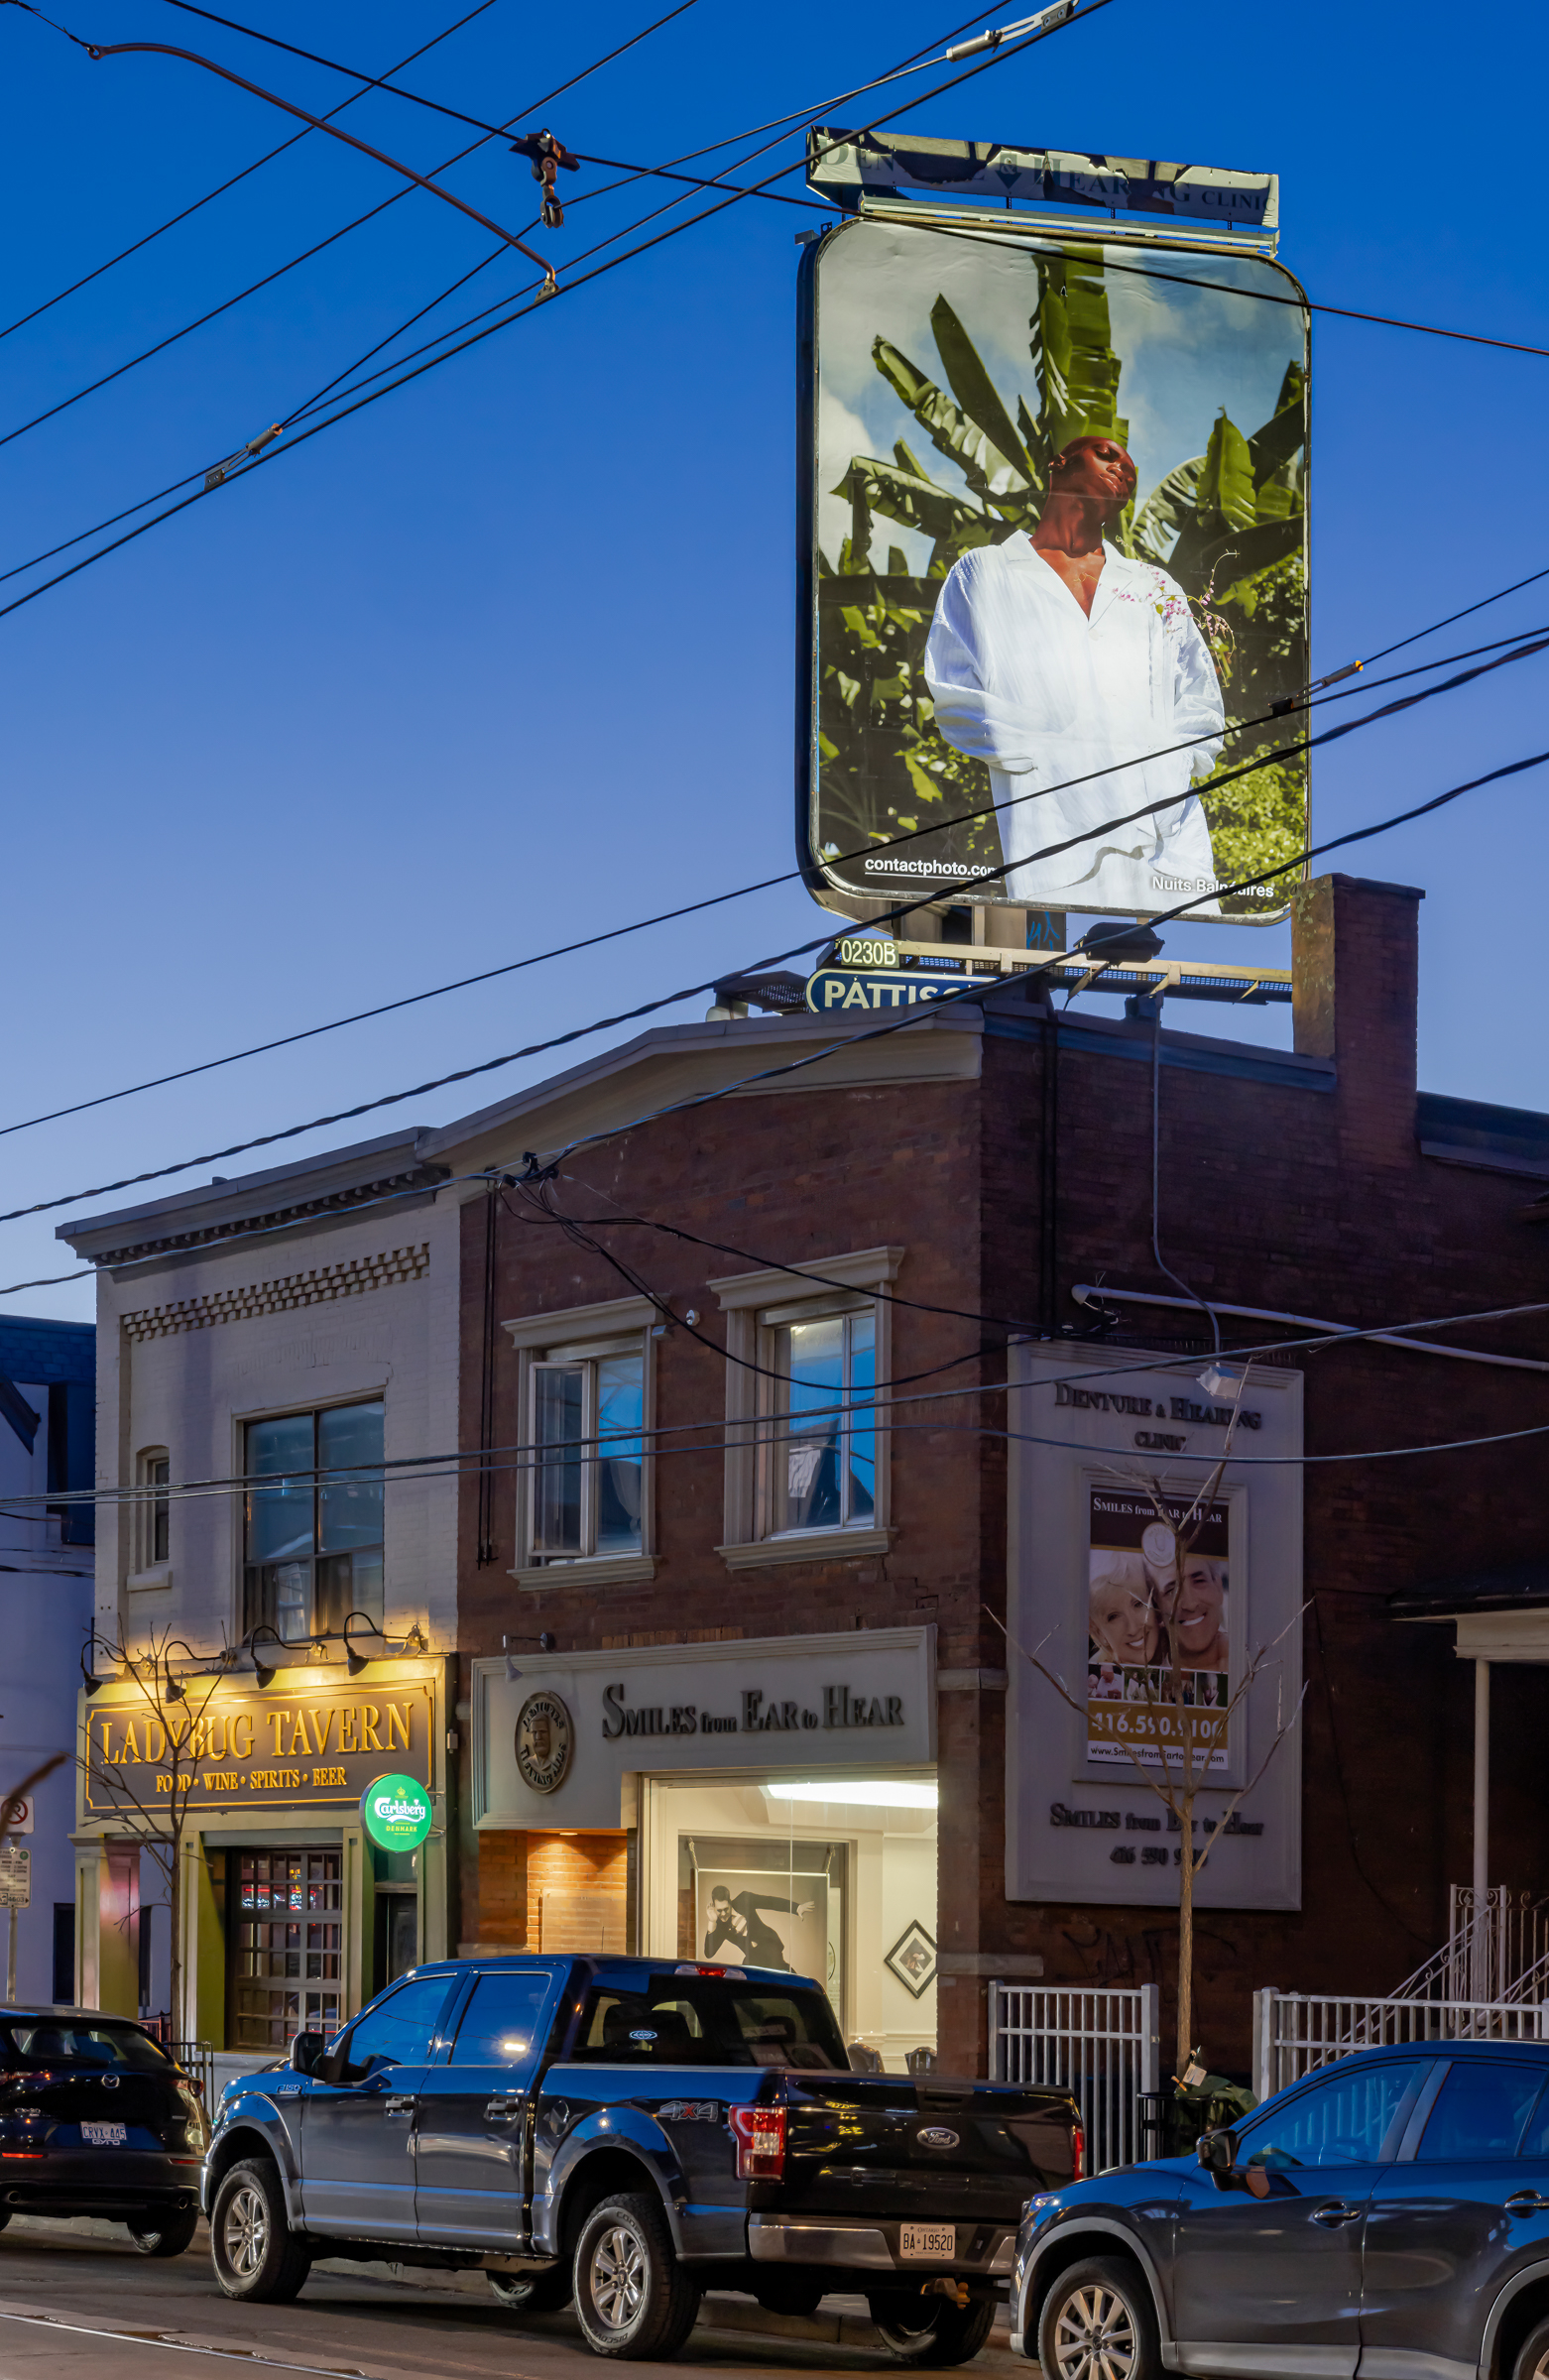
column 1293, row 2032
column 197, row 2057
column 1102, row 2045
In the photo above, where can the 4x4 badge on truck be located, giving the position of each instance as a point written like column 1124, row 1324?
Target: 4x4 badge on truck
column 936, row 2136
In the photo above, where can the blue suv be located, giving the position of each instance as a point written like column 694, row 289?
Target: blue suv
column 1387, row 2218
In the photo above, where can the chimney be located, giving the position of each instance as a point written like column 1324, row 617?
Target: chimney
column 1354, row 965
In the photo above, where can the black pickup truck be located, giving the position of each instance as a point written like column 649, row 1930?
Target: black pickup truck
column 630, row 2132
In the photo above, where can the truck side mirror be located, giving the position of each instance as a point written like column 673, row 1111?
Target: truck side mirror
column 306, row 2050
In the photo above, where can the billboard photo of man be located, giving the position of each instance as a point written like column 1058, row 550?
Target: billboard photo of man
column 1054, row 525
column 738, row 1926
column 1052, row 657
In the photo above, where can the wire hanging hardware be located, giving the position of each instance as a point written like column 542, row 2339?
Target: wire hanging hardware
column 545, row 155
column 255, row 447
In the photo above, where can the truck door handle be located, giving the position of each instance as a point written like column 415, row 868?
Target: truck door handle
column 1334, row 2213
column 501, row 2109
column 398, row 2105
column 1526, row 2201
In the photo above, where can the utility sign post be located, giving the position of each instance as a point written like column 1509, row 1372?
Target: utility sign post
column 16, row 1892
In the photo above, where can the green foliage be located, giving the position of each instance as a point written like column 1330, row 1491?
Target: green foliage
column 1227, row 525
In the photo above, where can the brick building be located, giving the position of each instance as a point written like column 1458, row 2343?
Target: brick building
column 961, row 1169
column 721, row 1625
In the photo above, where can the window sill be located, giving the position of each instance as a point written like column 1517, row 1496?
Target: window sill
column 811, row 1545
column 141, row 1581
column 601, row 1570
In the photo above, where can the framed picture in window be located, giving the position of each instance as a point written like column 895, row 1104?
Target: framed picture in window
column 912, row 1959
column 762, row 1917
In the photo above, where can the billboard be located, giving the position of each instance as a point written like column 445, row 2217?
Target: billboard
column 1052, row 550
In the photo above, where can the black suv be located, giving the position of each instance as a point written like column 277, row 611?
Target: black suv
column 96, row 2120
column 1390, row 2212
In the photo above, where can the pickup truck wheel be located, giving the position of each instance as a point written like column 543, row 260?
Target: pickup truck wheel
column 166, row 2234
column 930, row 2330
column 1097, row 2323
column 633, row 2298
column 253, row 2249
column 533, row 2292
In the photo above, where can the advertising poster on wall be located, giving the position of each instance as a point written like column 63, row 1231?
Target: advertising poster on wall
column 753, row 1917
column 1157, row 1643
column 1054, row 549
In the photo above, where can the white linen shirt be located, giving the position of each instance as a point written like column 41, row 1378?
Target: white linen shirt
column 1021, row 678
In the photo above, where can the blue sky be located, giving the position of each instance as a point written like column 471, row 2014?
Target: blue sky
column 508, row 658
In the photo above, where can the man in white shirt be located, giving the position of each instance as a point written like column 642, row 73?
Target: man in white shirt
column 1051, row 658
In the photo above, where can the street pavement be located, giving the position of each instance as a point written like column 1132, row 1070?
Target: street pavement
column 77, row 2299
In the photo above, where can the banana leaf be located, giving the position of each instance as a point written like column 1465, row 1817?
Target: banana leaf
column 973, row 388
column 1170, row 503
column 915, row 503
column 1233, row 554
column 1226, row 485
column 1280, row 437
column 988, row 471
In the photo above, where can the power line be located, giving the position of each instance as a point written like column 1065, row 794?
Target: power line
column 344, row 412
column 976, row 988
column 980, row 989
column 221, row 189
column 692, row 908
column 291, row 263
column 401, row 1468
column 634, row 172
column 1229, row 288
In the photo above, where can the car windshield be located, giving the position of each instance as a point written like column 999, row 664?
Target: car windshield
column 702, row 2020
column 32, row 2042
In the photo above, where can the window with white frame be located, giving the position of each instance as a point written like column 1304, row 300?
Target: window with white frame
column 807, row 1466
column 584, row 1496
column 818, row 1436
column 588, row 1454
column 153, row 1509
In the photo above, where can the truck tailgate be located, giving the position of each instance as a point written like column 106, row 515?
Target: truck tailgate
column 926, row 2148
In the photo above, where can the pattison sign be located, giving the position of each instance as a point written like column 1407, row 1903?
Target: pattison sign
column 251, row 1748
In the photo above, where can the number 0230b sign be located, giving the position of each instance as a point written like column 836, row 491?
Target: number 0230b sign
column 246, row 1750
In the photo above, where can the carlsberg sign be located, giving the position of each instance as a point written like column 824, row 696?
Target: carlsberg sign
column 396, row 1812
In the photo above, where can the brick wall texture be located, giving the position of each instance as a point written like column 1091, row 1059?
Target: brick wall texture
column 1273, row 1196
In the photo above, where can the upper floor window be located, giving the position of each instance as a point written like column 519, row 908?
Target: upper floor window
column 152, row 1510
column 588, row 1454
column 807, row 1463
column 819, row 1437
column 314, row 1540
column 586, row 1381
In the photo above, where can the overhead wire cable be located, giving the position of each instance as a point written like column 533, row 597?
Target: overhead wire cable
column 488, row 131
column 345, row 412
column 978, row 988
column 220, row 190
column 291, row 265
column 1030, row 231
column 1145, row 1360
column 671, row 917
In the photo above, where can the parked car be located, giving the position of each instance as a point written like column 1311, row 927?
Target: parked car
column 632, row 2131
column 95, row 2118
column 1392, row 2210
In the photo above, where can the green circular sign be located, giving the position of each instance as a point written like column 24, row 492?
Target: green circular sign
column 396, row 1812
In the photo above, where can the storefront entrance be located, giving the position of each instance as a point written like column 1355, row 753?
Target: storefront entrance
column 284, row 1937
column 829, row 1877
